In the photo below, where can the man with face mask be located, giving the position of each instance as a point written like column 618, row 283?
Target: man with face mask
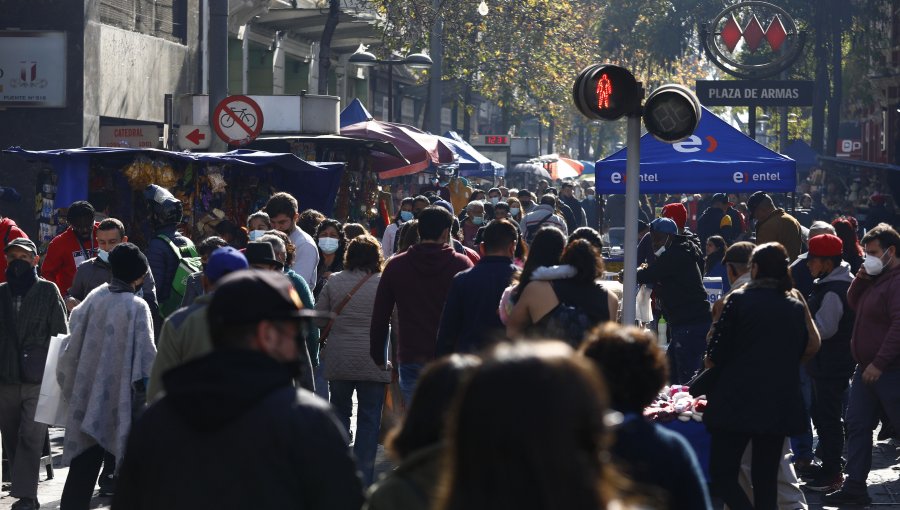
column 875, row 344
column 31, row 311
column 526, row 198
column 102, row 371
column 474, row 221
column 75, row 246
column 241, row 395
column 833, row 365
column 678, row 283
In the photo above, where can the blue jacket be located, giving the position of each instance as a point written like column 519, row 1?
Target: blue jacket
column 470, row 320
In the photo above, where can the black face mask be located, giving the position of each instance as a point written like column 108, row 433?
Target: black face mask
column 20, row 275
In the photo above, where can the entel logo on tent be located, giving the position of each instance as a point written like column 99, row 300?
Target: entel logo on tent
column 618, row 178
column 695, row 143
column 745, row 178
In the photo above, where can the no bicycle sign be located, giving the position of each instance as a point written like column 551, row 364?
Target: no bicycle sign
column 238, row 120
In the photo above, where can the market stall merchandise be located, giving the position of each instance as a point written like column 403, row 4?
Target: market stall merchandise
column 214, row 187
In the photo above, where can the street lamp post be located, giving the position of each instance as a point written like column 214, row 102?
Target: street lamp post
column 364, row 58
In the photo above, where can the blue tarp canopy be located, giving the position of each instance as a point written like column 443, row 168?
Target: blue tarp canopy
column 314, row 185
column 803, row 154
column 471, row 162
column 716, row 158
column 355, row 113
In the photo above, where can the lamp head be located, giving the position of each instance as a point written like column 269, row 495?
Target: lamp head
column 418, row 61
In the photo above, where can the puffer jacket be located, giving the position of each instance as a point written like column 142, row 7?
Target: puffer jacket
column 346, row 352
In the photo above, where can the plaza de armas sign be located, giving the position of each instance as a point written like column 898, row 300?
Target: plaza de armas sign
column 748, row 26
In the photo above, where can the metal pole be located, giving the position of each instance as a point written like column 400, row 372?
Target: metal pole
column 204, row 50
column 218, row 61
column 751, row 123
column 245, row 58
column 390, row 92
column 632, row 183
column 436, row 51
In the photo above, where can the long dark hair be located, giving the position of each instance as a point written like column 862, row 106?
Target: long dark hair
column 771, row 260
column 342, row 242
column 513, row 443
column 545, row 250
column 427, row 413
column 715, row 257
column 843, row 228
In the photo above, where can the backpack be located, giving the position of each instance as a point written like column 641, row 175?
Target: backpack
column 568, row 323
column 532, row 230
column 188, row 264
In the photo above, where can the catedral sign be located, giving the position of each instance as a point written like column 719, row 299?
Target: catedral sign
column 755, row 93
column 134, row 136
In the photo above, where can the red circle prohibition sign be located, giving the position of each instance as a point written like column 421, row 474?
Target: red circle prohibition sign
column 237, row 120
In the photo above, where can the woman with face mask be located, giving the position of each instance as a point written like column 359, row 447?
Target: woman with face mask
column 257, row 224
column 330, row 239
column 404, row 214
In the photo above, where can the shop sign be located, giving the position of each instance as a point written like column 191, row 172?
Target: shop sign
column 848, row 148
column 32, row 69
column 138, row 136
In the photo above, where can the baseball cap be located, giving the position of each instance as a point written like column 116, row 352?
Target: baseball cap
column 664, row 225
column 826, row 245
column 720, row 198
column 261, row 253
column 249, row 296
column 756, row 199
column 223, row 261
column 21, row 242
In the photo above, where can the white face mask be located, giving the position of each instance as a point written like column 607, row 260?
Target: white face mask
column 256, row 234
column 328, row 244
column 874, row 265
column 104, row 255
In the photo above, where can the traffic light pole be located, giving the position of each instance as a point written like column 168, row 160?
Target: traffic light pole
column 632, row 183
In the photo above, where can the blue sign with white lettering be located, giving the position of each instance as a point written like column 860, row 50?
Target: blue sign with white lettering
column 717, row 158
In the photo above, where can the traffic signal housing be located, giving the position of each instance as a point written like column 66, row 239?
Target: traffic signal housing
column 606, row 92
column 672, row 113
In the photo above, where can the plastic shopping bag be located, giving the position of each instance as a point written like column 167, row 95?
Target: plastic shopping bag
column 644, row 311
column 52, row 408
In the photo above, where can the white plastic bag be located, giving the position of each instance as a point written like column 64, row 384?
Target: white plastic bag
column 52, row 408
column 644, row 310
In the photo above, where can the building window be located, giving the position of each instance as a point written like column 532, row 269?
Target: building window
column 166, row 19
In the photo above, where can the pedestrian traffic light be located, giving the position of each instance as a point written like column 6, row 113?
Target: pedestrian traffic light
column 671, row 113
column 606, row 92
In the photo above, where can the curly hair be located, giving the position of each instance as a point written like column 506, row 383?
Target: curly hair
column 634, row 366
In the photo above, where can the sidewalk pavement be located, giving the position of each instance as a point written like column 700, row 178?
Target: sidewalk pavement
column 884, row 480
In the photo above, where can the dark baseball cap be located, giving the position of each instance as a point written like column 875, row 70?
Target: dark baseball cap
column 223, row 261
column 756, row 199
column 720, row 198
column 250, row 296
column 21, row 242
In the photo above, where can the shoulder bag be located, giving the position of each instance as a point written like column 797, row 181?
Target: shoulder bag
column 340, row 307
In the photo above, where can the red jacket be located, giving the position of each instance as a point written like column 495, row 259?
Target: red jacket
column 876, row 333
column 417, row 283
column 59, row 262
column 8, row 231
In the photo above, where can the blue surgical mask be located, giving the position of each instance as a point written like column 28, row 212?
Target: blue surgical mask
column 104, row 255
column 256, row 234
column 514, row 211
column 495, row 200
column 406, row 215
column 329, row 244
column 478, row 220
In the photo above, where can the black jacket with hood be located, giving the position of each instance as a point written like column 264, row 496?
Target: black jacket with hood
column 232, row 433
column 678, row 282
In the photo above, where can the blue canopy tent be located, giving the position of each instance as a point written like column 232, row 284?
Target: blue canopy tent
column 803, row 154
column 716, row 158
column 355, row 113
column 314, row 185
column 471, row 162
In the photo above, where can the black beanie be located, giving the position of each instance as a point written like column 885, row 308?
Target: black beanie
column 127, row 262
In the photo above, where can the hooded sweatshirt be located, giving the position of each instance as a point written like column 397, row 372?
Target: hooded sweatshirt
column 417, row 282
column 676, row 278
column 8, row 231
column 283, row 442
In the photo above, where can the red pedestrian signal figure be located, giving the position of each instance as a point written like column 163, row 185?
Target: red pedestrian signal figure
column 604, row 90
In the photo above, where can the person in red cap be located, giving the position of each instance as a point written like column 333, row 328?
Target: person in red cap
column 832, row 367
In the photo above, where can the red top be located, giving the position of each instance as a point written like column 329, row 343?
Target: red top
column 8, row 226
column 59, row 262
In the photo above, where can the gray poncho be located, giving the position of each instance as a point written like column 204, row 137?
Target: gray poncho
column 110, row 347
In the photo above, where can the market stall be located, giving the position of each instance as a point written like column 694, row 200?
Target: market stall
column 473, row 164
column 214, row 187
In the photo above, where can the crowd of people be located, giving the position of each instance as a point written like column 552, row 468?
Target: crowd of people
column 224, row 373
